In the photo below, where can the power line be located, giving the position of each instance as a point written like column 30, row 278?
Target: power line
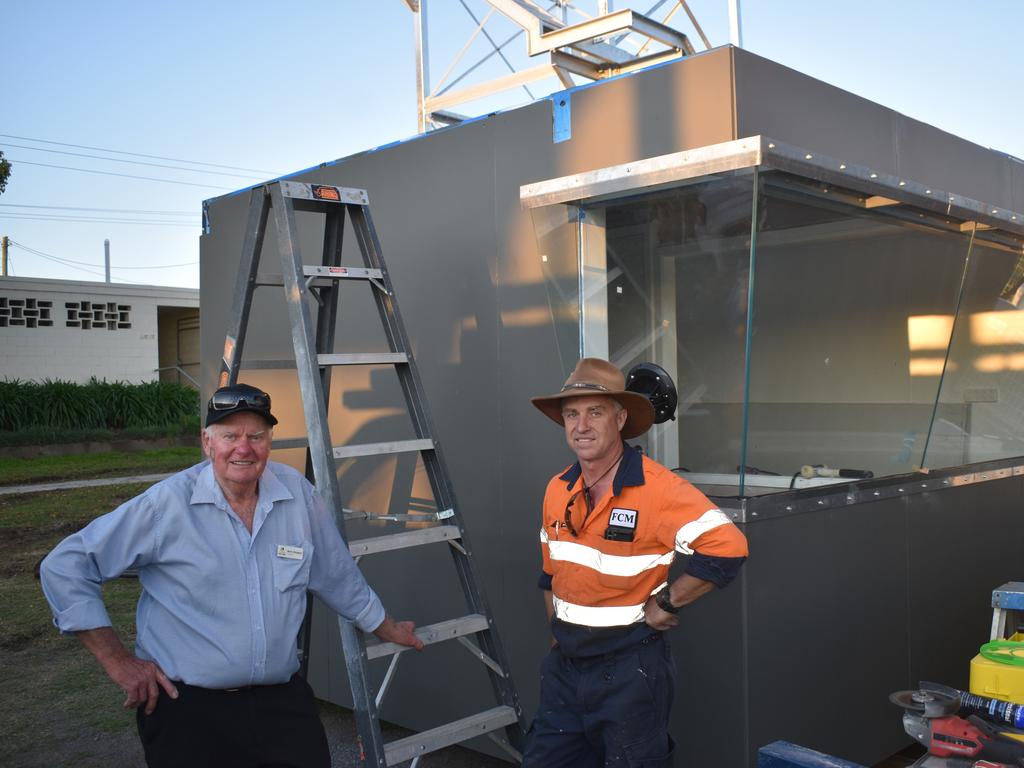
column 138, row 154
column 90, row 264
column 104, row 210
column 94, row 220
column 64, row 262
column 122, row 175
column 132, row 162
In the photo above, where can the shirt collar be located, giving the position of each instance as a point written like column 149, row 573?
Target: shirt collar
column 630, row 471
column 207, row 491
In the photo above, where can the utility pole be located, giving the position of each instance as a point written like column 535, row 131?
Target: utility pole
column 3, row 251
column 106, row 258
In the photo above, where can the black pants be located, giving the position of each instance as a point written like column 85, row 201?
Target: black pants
column 604, row 711
column 266, row 726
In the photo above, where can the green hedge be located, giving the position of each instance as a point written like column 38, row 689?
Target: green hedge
column 27, row 406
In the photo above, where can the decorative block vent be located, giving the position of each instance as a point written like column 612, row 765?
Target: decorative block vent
column 98, row 315
column 27, row 313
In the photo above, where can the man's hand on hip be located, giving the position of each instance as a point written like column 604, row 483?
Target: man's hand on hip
column 141, row 682
column 401, row 632
column 657, row 618
column 139, row 679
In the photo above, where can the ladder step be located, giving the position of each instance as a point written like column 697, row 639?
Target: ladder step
column 321, row 276
column 432, row 633
column 364, row 358
column 324, row 192
column 374, row 544
column 290, row 442
column 378, row 449
column 267, row 365
column 343, row 273
column 448, row 734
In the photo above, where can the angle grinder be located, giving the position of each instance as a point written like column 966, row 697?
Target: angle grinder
column 930, row 718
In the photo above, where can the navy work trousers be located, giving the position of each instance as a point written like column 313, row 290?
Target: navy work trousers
column 256, row 727
column 604, row 711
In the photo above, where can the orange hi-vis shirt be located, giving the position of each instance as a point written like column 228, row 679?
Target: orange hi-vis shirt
column 599, row 579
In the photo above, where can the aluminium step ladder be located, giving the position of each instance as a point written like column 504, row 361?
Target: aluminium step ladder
column 306, row 287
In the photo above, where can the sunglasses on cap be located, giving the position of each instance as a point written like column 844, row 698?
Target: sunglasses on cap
column 227, row 400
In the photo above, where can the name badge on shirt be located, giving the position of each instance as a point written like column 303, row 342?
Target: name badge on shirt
column 289, row 553
column 621, row 524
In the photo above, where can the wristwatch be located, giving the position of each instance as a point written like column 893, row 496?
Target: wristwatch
column 664, row 601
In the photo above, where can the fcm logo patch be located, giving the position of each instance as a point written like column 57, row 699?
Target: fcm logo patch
column 622, row 518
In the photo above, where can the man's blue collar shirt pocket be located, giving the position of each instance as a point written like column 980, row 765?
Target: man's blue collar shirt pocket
column 291, row 565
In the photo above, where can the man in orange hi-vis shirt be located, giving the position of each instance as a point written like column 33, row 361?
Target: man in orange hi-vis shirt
column 613, row 523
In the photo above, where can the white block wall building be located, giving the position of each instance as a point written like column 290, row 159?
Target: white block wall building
column 72, row 331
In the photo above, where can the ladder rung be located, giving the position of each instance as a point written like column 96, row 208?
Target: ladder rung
column 378, row 449
column 289, row 442
column 451, row 733
column 372, row 545
column 364, row 358
column 433, row 633
column 322, row 276
column 324, row 193
column 267, row 365
column 343, row 273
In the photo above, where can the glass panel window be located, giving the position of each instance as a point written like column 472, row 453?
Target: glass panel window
column 980, row 413
column 853, row 336
column 665, row 281
column 853, row 309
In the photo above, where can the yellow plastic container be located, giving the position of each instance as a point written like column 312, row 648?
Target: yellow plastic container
column 996, row 680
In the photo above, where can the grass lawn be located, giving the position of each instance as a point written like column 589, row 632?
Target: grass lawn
column 42, row 469
column 57, row 707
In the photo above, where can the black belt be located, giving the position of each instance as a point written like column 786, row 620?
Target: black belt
column 239, row 689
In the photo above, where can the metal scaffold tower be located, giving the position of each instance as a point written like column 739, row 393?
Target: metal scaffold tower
column 573, row 39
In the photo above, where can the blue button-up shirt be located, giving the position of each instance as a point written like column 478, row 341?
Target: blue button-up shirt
column 220, row 607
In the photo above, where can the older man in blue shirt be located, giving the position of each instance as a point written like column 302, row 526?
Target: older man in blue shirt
column 225, row 552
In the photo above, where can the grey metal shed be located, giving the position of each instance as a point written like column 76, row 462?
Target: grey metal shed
column 829, row 281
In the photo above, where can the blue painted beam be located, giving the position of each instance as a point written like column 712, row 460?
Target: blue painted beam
column 783, row 754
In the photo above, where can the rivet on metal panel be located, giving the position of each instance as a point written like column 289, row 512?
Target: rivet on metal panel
column 561, row 117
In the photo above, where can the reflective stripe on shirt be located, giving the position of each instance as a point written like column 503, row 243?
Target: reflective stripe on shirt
column 693, row 530
column 610, row 565
column 599, row 616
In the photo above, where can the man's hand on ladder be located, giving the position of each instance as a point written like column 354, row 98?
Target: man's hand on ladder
column 401, row 632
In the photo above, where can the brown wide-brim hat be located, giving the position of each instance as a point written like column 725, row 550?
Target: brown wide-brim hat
column 596, row 377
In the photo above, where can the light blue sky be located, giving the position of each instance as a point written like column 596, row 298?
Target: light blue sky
column 281, row 86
